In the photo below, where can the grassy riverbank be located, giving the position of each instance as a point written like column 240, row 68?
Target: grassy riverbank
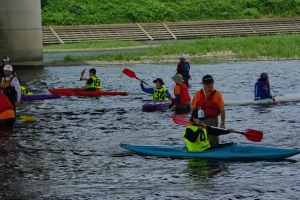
column 92, row 45
column 81, row 12
column 237, row 48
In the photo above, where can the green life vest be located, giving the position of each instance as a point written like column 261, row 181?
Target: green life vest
column 23, row 90
column 96, row 82
column 201, row 143
column 158, row 94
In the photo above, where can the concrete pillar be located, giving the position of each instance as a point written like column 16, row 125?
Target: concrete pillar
column 21, row 32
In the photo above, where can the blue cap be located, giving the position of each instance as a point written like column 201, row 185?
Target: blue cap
column 264, row 75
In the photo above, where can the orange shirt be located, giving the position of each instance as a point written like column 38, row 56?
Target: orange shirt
column 7, row 114
column 217, row 98
column 177, row 89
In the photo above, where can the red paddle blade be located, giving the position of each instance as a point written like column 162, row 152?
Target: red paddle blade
column 129, row 73
column 181, row 120
column 254, row 135
column 82, row 73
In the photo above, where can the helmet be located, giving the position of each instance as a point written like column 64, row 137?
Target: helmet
column 5, row 59
column 8, row 68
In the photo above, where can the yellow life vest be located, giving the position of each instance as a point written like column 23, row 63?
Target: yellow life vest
column 96, row 82
column 23, row 90
column 201, row 143
column 158, row 94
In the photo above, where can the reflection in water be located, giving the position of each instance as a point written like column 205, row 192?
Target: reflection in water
column 201, row 169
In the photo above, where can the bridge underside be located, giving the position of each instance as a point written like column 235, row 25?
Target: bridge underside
column 21, row 32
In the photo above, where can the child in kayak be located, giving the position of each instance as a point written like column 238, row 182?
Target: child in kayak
column 262, row 88
column 158, row 91
column 93, row 83
column 196, row 135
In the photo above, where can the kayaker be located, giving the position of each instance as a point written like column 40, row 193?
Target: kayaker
column 7, row 115
column 11, row 86
column 182, row 97
column 93, row 83
column 196, row 135
column 158, row 91
column 211, row 102
column 183, row 68
column 262, row 88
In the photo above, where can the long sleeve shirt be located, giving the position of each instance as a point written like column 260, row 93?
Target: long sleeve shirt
column 151, row 91
column 14, row 83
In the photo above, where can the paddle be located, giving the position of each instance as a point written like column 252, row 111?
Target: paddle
column 82, row 73
column 252, row 135
column 131, row 74
column 27, row 118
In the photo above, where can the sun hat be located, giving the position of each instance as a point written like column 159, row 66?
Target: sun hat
column 264, row 75
column 8, row 68
column 182, row 56
column 159, row 80
column 177, row 78
column 199, row 114
column 207, row 79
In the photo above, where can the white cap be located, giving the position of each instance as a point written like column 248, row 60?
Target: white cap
column 182, row 56
column 5, row 59
column 8, row 68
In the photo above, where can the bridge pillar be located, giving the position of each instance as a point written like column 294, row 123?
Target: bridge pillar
column 21, row 32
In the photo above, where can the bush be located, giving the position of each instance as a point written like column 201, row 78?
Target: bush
column 71, row 12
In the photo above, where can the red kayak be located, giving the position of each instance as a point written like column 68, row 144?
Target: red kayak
column 73, row 92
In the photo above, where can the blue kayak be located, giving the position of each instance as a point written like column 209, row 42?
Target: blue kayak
column 222, row 151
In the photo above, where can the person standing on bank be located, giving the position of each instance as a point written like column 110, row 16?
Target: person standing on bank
column 11, row 86
column 182, row 97
column 93, row 83
column 262, row 88
column 158, row 92
column 211, row 102
column 183, row 68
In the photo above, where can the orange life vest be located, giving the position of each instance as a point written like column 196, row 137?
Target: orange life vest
column 184, row 95
column 5, row 103
column 209, row 108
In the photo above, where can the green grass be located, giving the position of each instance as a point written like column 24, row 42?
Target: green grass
column 255, row 47
column 93, row 45
column 281, row 46
column 80, row 12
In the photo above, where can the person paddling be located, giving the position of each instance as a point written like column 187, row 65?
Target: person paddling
column 182, row 96
column 93, row 83
column 262, row 88
column 183, row 68
column 7, row 114
column 196, row 135
column 11, row 86
column 158, row 91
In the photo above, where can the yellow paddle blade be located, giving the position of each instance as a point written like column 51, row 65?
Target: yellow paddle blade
column 27, row 118
column 29, row 93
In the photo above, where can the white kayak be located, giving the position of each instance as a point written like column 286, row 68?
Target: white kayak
column 279, row 98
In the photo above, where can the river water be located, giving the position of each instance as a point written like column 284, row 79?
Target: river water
column 72, row 151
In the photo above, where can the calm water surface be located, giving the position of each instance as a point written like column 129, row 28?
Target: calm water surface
column 72, row 151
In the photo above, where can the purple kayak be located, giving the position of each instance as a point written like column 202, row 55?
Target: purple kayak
column 39, row 97
column 156, row 105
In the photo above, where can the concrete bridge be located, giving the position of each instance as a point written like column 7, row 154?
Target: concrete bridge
column 21, row 32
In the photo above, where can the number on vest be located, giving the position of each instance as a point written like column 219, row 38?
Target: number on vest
column 159, row 95
column 97, row 83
